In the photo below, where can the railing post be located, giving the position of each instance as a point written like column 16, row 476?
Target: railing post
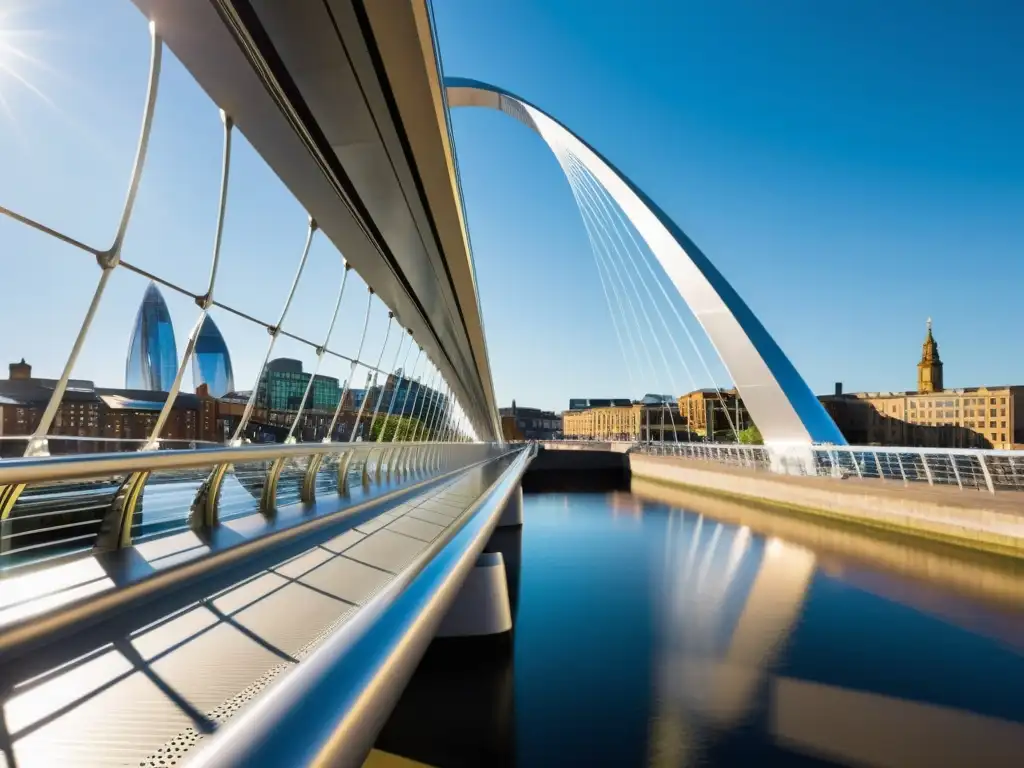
column 903, row 474
column 8, row 498
column 878, row 466
column 406, row 465
column 856, row 464
column 365, row 474
column 927, row 469
column 308, row 493
column 395, row 461
column 268, row 497
column 116, row 527
column 343, row 465
column 956, row 472
column 984, row 471
column 204, row 514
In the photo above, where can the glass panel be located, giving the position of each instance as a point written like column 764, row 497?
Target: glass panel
column 166, row 502
column 55, row 519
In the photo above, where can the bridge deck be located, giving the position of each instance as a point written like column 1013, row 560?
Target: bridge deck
column 144, row 689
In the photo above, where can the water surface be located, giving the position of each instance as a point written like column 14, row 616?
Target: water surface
column 649, row 633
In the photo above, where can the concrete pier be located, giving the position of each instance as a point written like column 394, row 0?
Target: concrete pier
column 512, row 515
column 482, row 606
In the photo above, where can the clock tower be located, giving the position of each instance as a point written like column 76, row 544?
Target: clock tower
column 929, row 370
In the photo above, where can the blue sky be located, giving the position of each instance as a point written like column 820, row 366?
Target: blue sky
column 852, row 168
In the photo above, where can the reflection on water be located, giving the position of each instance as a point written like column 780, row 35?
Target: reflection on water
column 651, row 634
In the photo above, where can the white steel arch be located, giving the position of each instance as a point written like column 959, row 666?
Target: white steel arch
column 778, row 399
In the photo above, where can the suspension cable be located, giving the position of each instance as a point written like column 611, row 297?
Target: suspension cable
column 352, row 368
column 380, row 357
column 672, row 306
column 205, row 300
column 405, row 397
column 247, row 413
column 395, row 391
column 600, row 273
column 429, row 431
column 380, row 395
column 419, row 429
column 420, row 382
column 321, row 351
column 587, row 192
column 591, row 185
column 108, row 259
column 609, row 246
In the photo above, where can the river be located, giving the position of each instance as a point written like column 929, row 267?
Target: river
column 665, row 629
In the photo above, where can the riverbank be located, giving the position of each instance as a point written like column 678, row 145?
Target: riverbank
column 975, row 520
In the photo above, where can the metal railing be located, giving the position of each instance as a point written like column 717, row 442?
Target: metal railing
column 329, row 710
column 59, row 505
column 976, row 469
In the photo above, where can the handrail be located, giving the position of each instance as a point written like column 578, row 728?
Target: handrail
column 22, row 636
column 891, row 449
column 329, row 710
column 140, row 441
column 89, row 465
column 42, row 514
column 965, row 468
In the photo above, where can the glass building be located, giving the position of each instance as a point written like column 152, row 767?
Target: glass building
column 284, row 382
column 152, row 355
column 412, row 398
column 211, row 361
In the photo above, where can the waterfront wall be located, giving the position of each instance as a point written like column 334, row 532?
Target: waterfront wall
column 984, row 521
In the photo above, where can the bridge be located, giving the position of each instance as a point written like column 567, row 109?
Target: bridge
column 238, row 603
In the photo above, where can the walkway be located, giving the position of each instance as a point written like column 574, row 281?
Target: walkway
column 144, row 687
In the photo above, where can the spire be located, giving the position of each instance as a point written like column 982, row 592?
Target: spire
column 930, row 348
column 929, row 370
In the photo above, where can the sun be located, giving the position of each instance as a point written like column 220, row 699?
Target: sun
column 18, row 65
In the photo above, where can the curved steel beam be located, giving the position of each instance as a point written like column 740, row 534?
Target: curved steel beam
column 343, row 101
column 778, row 399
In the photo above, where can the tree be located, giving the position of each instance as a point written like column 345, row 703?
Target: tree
column 397, row 428
column 751, row 436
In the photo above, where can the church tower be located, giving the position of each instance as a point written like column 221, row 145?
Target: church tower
column 929, row 370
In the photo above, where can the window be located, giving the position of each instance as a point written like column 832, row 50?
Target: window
column 1002, row 437
column 991, row 412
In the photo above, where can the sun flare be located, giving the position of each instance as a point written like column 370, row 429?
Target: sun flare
column 18, row 64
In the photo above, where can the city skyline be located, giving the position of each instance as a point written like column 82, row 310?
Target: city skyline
column 880, row 205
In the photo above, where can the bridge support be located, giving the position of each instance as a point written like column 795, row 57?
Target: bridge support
column 512, row 515
column 482, row 607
